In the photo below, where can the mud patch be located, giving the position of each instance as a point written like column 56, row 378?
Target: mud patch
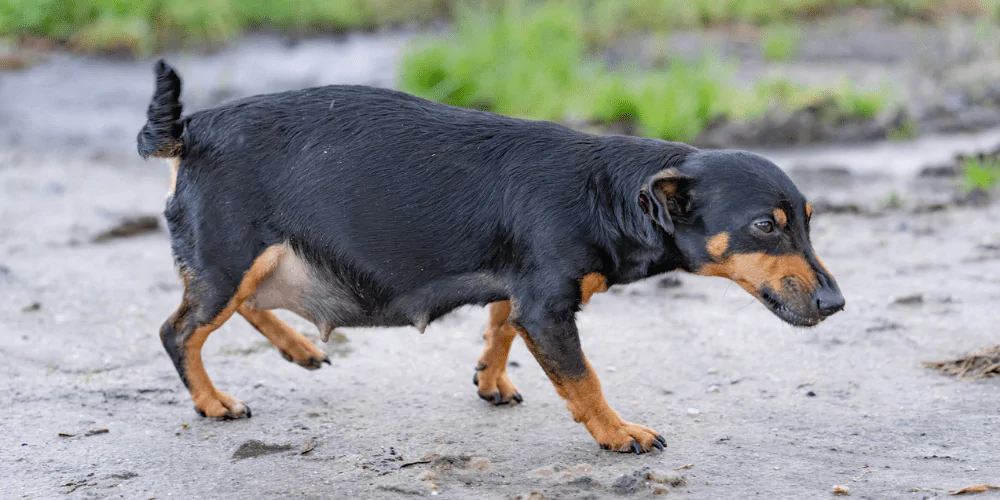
column 255, row 448
column 128, row 227
column 982, row 364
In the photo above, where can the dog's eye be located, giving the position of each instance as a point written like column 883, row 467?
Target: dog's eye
column 764, row 226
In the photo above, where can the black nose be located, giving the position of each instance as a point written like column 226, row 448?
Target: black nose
column 829, row 301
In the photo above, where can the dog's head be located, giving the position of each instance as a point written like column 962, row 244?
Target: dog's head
column 736, row 215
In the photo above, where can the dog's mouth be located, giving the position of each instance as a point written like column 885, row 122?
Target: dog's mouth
column 784, row 312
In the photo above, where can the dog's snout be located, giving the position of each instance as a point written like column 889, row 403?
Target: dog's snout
column 829, row 301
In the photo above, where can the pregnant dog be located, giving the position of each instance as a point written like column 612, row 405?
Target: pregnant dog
column 356, row 206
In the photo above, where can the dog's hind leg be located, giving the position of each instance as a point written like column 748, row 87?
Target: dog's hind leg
column 491, row 372
column 209, row 300
column 293, row 346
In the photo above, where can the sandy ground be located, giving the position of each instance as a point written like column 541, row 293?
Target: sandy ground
column 756, row 407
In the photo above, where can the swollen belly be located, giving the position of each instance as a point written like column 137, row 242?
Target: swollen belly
column 328, row 301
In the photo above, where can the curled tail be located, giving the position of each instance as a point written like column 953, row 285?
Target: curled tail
column 161, row 135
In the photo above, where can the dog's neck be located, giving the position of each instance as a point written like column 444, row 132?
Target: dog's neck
column 637, row 247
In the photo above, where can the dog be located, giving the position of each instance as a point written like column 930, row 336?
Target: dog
column 356, row 206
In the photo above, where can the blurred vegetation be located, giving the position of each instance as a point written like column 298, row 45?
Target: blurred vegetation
column 780, row 41
column 541, row 59
column 980, row 174
column 141, row 26
column 533, row 61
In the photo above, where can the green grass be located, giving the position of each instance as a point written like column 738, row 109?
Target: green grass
column 534, row 62
column 780, row 41
column 980, row 174
column 142, row 25
column 904, row 132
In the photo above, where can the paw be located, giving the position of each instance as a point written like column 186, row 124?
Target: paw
column 495, row 386
column 221, row 405
column 305, row 354
column 627, row 438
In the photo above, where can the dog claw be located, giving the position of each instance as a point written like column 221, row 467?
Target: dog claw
column 475, row 379
column 326, row 359
column 657, row 444
column 662, row 441
column 517, row 397
column 480, row 367
column 636, row 448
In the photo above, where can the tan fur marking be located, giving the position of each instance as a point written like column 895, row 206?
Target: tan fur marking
column 174, row 164
column 754, row 270
column 780, row 217
column 591, row 284
column 809, row 209
column 207, row 398
column 717, row 245
column 288, row 340
column 499, row 336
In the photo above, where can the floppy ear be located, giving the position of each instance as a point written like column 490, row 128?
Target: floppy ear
column 664, row 197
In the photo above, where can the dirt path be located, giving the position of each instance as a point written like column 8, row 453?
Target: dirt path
column 758, row 407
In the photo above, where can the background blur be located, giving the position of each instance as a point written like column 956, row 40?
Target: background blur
column 718, row 73
column 886, row 114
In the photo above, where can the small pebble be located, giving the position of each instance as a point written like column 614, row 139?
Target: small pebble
column 713, row 371
column 693, row 412
column 481, row 463
column 841, row 490
column 659, row 489
column 714, row 388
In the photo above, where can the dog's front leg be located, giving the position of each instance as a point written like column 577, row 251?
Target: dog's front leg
column 552, row 337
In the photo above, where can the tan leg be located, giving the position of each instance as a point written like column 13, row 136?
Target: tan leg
column 184, row 334
column 491, row 372
column 585, row 400
column 293, row 345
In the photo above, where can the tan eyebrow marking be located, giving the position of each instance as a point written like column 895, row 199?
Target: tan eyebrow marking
column 780, row 217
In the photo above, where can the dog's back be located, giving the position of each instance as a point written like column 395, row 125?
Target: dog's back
column 406, row 207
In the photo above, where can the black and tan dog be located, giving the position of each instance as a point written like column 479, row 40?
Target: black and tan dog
column 355, row 206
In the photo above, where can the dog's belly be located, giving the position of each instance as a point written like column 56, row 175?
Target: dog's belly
column 299, row 287
column 329, row 302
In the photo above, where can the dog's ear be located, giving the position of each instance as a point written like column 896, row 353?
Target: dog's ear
column 665, row 197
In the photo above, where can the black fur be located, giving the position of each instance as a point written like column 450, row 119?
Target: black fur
column 408, row 208
column 161, row 136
